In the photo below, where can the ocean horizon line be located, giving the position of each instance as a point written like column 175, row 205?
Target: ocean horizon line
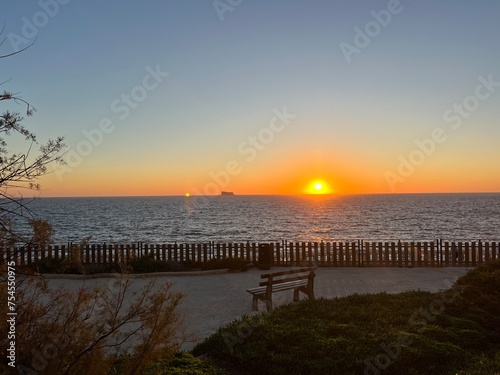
column 266, row 195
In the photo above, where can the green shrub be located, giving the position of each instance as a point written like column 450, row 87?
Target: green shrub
column 183, row 364
column 58, row 266
column 233, row 264
column 483, row 365
column 147, row 264
column 91, row 331
column 47, row 265
column 479, row 298
column 481, row 287
column 92, row 269
column 455, row 332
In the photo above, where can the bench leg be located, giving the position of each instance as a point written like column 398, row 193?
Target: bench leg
column 310, row 293
column 255, row 304
column 269, row 304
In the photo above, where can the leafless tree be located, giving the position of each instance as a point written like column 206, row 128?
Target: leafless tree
column 20, row 170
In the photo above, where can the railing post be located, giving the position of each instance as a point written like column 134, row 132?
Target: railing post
column 460, row 254
column 393, row 254
column 466, row 253
column 474, row 253
column 405, row 246
column 355, row 253
column 439, row 252
column 322, row 253
column 361, row 253
column 278, row 254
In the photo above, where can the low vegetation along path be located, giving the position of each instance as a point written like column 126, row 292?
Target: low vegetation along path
column 213, row 300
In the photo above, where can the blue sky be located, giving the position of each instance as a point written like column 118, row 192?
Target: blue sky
column 353, row 120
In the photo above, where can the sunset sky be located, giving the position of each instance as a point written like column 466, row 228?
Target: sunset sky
column 260, row 97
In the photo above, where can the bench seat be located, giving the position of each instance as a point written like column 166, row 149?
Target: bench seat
column 299, row 280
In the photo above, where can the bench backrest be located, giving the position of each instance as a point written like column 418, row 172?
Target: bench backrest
column 287, row 276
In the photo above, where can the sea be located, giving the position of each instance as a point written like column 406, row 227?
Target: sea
column 271, row 218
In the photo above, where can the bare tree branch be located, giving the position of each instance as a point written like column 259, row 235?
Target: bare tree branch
column 20, row 170
column 16, row 52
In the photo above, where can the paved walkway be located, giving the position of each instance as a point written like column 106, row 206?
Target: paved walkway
column 215, row 300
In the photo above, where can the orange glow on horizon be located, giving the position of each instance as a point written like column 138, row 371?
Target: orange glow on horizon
column 301, row 173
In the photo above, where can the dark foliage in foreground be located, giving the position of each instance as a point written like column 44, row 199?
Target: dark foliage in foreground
column 148, row 264
column 183, row 364
column 144, row 264
column 106, row 329
column 409, row 333
column 233, row 264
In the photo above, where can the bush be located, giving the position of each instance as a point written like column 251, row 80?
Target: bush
column 233, row 264
column 58, row 266
column 72, row 264
column 147, row 264
column 483, row 366
column 453, row 332
column 91, row 331
column 481, row 287
column 182, row 364
column 42, row 233
column 92, row 269
column 47, row 265
column 479, row 299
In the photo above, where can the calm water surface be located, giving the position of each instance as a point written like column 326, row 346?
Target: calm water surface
column 264, row 218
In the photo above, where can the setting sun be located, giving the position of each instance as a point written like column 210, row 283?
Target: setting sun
column 318, row 187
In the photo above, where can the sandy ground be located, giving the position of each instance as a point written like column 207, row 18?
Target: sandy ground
column 213, row 300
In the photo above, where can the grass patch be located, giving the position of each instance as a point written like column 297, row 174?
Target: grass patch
column 454, row 332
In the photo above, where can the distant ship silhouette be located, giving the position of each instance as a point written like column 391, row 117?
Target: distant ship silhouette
column 226, row 193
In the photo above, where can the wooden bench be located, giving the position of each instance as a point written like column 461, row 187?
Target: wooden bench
column 300, row 280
